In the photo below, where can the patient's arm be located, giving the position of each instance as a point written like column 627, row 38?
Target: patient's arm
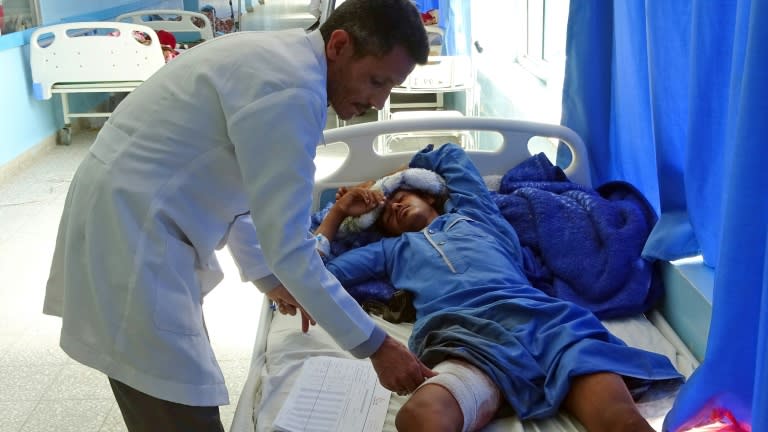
column 353, row 202
column 342, row 190
column 366, row 184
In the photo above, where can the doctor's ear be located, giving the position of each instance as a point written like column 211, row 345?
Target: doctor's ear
column 339, row 45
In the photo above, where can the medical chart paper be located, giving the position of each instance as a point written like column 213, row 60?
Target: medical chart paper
column 334, row 395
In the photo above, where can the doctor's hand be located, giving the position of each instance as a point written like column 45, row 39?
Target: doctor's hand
column 398, row 369
column 287, row 305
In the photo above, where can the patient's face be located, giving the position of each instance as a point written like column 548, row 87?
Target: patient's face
column 406, row 211
column 355, row 84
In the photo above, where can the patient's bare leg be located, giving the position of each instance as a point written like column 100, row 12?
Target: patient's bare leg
column 601, row 402
column 460, row 398
column 430, row 408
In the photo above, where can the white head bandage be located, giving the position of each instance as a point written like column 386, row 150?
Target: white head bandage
column 411, row 179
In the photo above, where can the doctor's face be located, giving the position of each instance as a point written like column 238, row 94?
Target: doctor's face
column 355, row 84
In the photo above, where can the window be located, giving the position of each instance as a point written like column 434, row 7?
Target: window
column 17, row 15
column 545, row 25
column 521, row 65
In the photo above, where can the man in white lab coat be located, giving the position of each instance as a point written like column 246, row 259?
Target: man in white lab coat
column 218, row 142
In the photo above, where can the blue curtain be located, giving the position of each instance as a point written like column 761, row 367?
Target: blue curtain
column 672, row 96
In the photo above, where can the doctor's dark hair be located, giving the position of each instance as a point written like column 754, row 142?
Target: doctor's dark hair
column 376, row 27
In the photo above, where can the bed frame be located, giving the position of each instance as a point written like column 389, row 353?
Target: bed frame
column 426, row 87
column 367, row 157
column 359, row 147
column 179, row 22
column 90, row 57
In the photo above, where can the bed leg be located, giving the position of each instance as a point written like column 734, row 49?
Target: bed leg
column 64, row 136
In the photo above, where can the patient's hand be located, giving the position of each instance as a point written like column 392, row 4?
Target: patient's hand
column 340, row 192
column 287, row 305
column 357, row 201
column 353, row 202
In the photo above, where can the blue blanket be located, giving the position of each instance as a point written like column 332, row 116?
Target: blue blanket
column 579, row 244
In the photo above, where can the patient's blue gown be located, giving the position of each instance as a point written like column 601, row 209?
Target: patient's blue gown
column 474, row 302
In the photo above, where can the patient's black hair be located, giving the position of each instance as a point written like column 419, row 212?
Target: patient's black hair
column 376, row 27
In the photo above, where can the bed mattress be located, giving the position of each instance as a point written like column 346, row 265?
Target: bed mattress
column 279, row 366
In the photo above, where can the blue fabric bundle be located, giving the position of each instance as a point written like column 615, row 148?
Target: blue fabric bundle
column 580, row 244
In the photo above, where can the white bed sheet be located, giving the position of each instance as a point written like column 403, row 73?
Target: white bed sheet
column 269, row 384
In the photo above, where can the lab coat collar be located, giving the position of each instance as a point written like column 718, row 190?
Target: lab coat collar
column 318, row 46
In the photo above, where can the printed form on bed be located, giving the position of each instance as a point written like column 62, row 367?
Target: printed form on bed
column 334, row 395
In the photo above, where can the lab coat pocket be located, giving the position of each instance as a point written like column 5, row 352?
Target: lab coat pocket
column 109, row 146
column 178, row 307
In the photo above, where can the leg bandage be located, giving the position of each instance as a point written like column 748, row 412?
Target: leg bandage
column 477, row 395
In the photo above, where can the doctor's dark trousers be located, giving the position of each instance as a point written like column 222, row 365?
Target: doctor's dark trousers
column 144, row 413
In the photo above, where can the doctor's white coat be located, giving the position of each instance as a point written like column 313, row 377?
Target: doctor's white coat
column 227, row 128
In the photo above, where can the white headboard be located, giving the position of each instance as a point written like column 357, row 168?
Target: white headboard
column 363, row 162
column 92, row 52
column 175, row 21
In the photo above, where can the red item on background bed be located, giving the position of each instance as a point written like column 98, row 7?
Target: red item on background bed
column 166, row 38
column 430, row 17
column 168, row 44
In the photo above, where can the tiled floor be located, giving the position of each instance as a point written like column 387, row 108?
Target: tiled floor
column 41, row 389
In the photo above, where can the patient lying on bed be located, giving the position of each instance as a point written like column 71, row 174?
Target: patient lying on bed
column 496, row 341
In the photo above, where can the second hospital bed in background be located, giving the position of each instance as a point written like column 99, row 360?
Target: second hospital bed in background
column 185, row 25
column 105, row 56
column 91, row 57
column 281, row 349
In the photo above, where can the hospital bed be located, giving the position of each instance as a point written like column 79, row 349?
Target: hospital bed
column 187, row 26
column 280, row 347
column 439, row 76
column 91, row 57
column 422, row 95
